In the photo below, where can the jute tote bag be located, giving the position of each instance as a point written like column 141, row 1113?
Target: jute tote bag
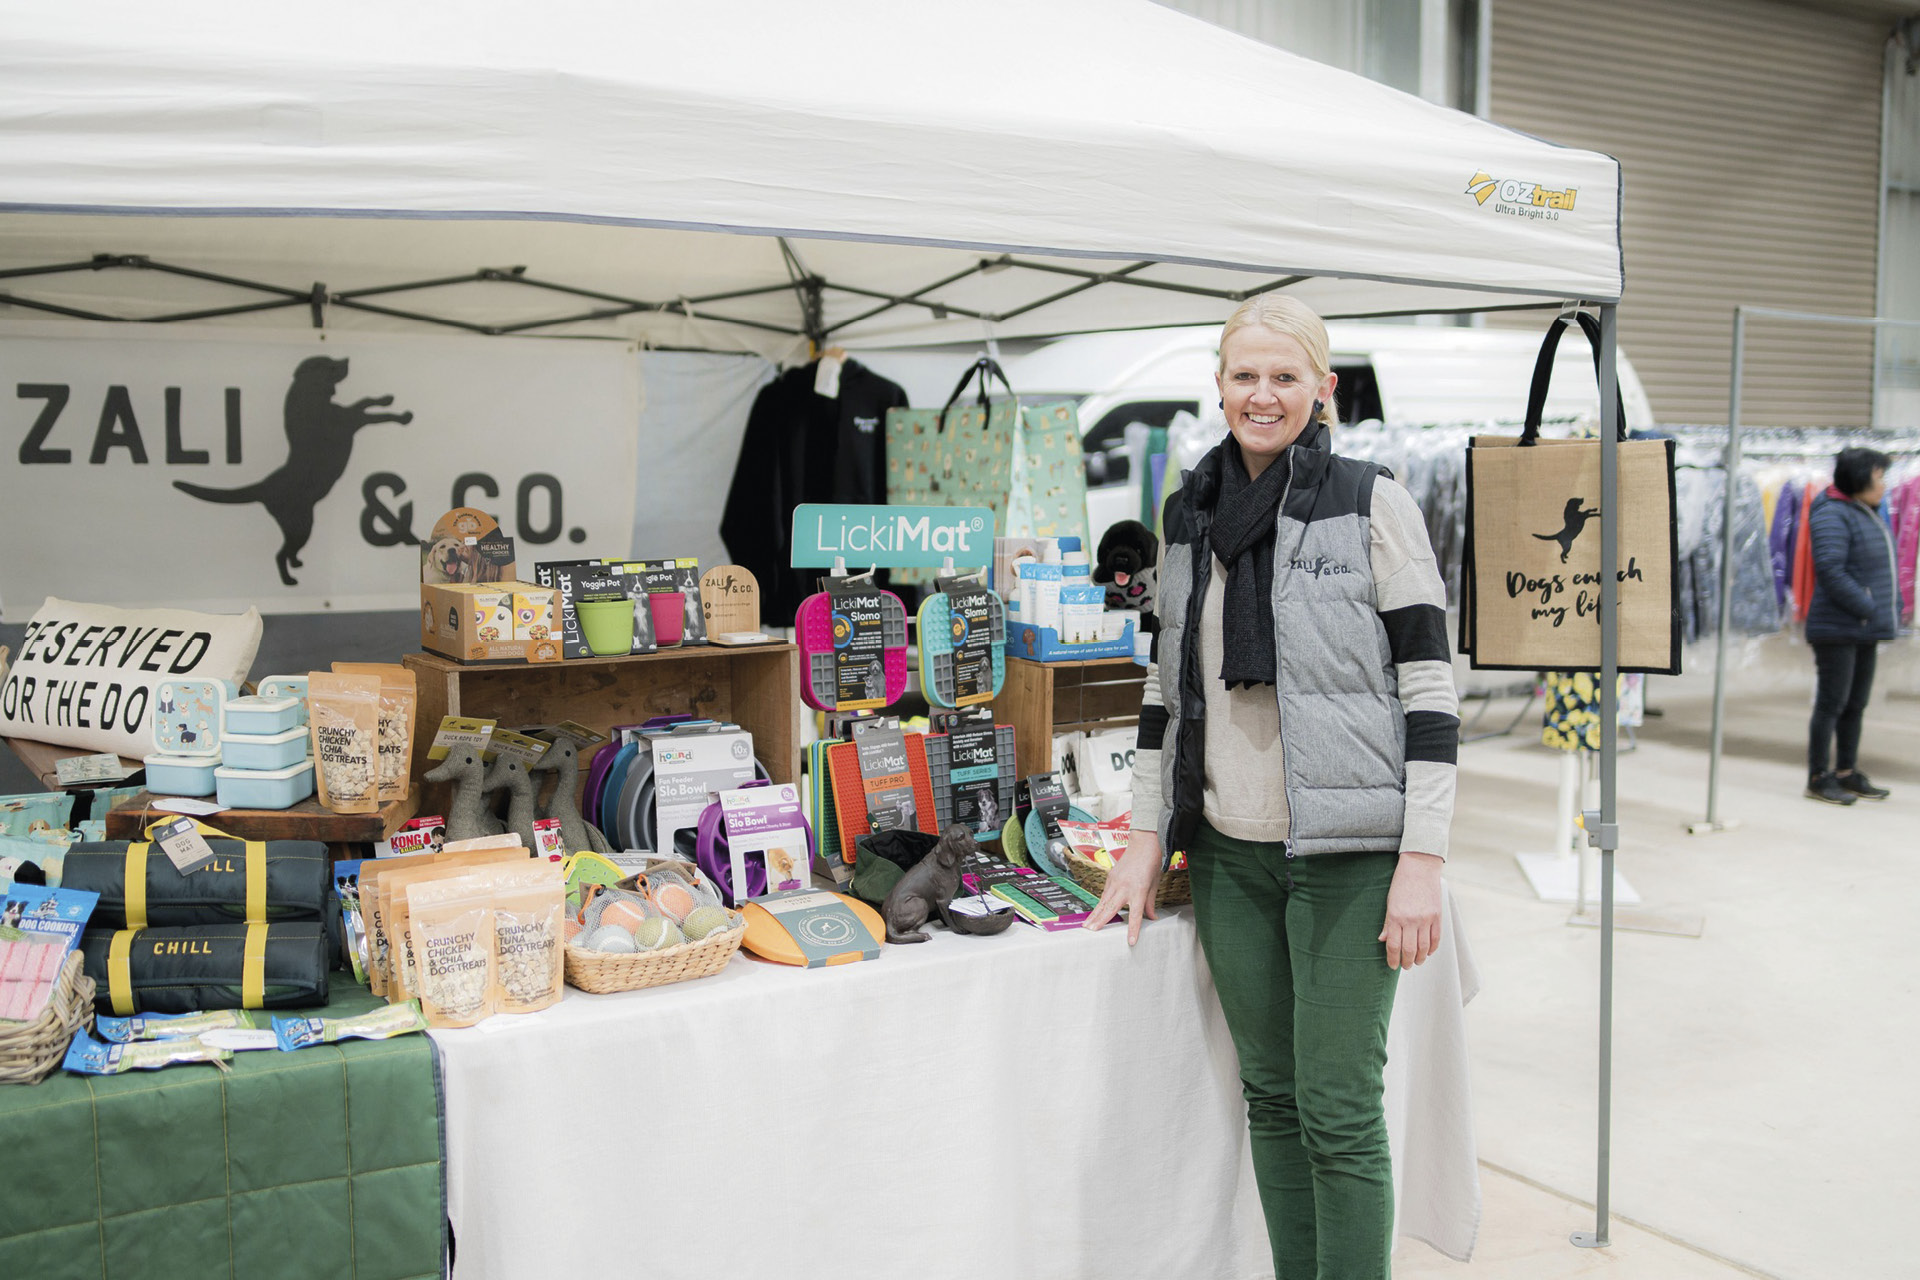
column 1530, row 574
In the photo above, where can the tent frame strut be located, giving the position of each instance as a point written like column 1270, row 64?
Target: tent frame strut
column 809, row 289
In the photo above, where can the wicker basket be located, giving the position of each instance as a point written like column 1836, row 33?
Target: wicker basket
column 29, row 1053
column 601, row 972
column 1175, row 890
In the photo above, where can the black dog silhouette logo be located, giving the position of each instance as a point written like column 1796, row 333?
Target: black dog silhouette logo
column 1576, row 518
column 320, row 435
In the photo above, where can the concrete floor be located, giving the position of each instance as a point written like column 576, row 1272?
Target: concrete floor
column 1764, row 1113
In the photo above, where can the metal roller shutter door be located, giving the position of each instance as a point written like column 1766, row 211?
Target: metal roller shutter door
column 1749, row 135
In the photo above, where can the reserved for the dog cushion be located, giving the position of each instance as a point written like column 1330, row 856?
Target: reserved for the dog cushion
column 85, row 674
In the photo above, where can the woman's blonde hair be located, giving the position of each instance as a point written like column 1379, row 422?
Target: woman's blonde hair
column 1294, row 319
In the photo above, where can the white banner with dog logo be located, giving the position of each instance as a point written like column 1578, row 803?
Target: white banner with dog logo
column 298, row 472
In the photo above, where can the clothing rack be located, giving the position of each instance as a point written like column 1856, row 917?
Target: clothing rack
column 1815, row 447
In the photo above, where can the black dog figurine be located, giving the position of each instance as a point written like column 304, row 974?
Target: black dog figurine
column 1127, row 566
column 927, row 891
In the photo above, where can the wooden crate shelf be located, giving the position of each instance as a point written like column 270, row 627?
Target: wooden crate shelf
column 1041, row 699
column 756, row 687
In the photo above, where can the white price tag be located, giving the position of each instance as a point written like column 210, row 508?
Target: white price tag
column 184, row 846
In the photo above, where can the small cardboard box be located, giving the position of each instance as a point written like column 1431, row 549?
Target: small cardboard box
column 534, row 611
column 474, row 622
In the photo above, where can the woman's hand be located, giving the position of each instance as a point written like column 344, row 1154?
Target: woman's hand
column 1412, row 931
column 1131, row 886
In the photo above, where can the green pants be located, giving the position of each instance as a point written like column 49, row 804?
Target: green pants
column 1303, row 980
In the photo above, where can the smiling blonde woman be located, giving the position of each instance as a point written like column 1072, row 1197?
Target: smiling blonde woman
column 1297, row 743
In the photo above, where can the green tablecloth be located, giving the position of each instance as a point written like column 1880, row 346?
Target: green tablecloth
column 325, row 1163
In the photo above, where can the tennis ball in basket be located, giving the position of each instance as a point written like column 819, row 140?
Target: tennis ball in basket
column 625, row 912
column 675, row 899
column 657, row 934
column 610, row 938
column 705, row 920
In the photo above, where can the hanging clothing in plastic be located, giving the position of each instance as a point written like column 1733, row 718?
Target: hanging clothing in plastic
column 801, row 446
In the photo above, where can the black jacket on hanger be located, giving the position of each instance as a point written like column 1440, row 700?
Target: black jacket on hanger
column 802, row 447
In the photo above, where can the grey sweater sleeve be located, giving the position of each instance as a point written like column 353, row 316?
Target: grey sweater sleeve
column 1148, row 804
column 1412, row 600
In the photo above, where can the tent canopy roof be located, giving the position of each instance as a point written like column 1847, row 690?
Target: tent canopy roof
column 882, row 148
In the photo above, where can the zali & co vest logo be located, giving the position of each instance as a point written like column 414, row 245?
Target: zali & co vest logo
column 1520, row 199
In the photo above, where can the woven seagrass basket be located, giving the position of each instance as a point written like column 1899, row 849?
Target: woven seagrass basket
column 601, row 972
column 1176, row 888
column 30, row 1051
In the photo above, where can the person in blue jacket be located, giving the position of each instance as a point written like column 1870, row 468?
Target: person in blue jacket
column 1856, row 604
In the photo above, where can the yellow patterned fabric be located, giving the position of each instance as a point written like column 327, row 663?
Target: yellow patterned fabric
column 1573, row 711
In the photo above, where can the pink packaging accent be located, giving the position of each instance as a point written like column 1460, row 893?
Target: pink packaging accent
column 669, row 609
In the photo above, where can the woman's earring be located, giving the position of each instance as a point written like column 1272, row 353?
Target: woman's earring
column 1223, row 404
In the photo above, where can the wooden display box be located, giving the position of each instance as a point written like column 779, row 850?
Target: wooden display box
column 1041, row 699
column 756, row 687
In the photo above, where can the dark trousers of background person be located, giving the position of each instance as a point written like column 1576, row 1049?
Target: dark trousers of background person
column 1294, row 946
column 1843, row 682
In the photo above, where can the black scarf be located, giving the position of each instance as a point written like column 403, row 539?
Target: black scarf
column 1245, row 519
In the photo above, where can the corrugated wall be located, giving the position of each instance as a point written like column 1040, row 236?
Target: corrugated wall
column 1749, row 135
column 1900, row 247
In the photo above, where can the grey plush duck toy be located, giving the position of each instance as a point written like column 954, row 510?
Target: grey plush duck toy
column 509, row 773
column 467, row 816
column 563, row 761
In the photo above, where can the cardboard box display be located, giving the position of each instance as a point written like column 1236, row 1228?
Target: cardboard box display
column 471, row 622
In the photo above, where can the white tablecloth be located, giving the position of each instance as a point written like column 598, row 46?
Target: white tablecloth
column 1030, row 1105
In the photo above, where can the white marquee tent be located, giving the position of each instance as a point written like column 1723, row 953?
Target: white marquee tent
column 902, row 150
column 892, row 173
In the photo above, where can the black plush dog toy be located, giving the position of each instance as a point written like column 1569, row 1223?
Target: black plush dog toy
column 1127, row 568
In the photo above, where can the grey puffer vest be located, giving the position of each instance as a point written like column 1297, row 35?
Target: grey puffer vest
column 1342, row 727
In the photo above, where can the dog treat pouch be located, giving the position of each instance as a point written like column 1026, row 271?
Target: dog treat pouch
column 399, row 696
column 529, row 913
column 344, row 718
column 452, row 929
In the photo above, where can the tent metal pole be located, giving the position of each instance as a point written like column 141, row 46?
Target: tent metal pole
column 1606, row 832
column 1726, row 571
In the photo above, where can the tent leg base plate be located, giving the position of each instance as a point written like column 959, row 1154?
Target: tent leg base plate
column 1672, row 925
column 1555, row 877
column 1589, row 1240
column 1712, row 828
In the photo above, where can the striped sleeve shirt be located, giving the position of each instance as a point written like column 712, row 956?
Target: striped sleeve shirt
column 1411, row 599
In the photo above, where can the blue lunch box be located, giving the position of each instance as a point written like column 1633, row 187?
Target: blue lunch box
column 264, row 789
column 258, row 715
column 181, row 775
column 266, row 751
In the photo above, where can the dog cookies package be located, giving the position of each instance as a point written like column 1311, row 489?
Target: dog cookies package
column 344, row 718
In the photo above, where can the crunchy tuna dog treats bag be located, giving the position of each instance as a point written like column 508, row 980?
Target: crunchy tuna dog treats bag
column 529, row 915
column 344, row 719
column 399, row 695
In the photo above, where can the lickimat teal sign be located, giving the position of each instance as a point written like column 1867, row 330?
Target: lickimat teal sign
column 892, row 537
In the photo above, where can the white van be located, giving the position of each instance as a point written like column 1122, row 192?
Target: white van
column 1408, row 375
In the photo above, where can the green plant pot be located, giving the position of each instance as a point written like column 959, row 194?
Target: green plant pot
column 607, row 625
